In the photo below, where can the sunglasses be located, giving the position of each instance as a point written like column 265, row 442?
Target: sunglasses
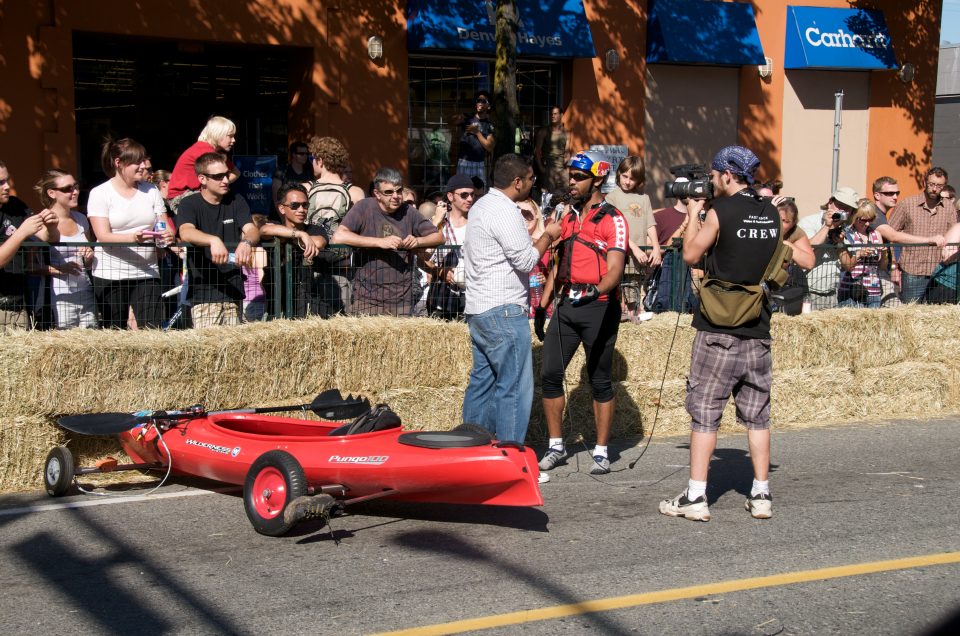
column 466, row 195
column 390, row 193
column 891, row 193
column 220, row 176
column 68, row 189
column 297, row 205
column 302, row 154
column 483, row 101
column 580, row 176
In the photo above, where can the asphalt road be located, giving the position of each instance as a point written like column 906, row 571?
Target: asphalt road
column 849, row 498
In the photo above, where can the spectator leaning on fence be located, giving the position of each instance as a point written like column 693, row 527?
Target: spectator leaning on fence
column 17, row 225
column 944, row 287
column 306, row 240
column 209, row 222
column 499, row 258
column 922, row 214
column 387, row 231
column 71, row 292
column 122, row 210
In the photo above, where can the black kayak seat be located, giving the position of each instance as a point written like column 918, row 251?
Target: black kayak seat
column 445, row 439
column 379, row 418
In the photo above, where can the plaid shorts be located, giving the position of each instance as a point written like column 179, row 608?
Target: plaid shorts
column 215, row 314
column 722, row 364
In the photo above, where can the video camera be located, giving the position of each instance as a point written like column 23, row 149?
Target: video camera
column 697, row 184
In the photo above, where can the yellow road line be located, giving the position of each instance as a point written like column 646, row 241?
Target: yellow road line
column 663, row 596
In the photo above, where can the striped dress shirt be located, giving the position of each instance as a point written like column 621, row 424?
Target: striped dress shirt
column 499, row 254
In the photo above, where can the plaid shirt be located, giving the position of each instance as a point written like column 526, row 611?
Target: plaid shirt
column 499, row 254
column 914, row 217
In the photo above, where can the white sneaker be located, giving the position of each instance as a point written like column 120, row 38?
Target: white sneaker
column 680, row 506
column 760, row 506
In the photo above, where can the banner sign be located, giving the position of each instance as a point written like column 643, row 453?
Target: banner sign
column 851, row 39
column 256, row 181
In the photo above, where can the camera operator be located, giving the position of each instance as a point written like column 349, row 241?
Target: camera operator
column 738, row 237
column 838, row 208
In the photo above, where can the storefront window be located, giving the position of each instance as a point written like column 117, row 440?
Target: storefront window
column 441, row 88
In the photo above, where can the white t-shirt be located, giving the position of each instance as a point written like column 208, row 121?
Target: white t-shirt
column 63, row 284
column 126, row 216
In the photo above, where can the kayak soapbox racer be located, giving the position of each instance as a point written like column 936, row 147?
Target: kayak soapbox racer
column 292, row 469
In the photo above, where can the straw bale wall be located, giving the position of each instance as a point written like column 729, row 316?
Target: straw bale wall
column 829, row 367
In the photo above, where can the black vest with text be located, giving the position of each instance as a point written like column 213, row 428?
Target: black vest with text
column 748, row 237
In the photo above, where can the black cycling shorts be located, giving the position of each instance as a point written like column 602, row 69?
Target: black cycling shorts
column 596, row 325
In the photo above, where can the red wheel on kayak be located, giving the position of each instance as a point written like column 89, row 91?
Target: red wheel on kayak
column 274, row 480
column 58, row 471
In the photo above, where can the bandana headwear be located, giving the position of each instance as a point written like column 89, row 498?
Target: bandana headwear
column 738, row 160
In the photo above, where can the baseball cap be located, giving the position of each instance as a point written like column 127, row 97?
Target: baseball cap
column 459, row 181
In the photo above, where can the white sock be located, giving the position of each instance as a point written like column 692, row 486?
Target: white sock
column 696, row 489
column 760, row 488
column 556, row 443
column 600, row 450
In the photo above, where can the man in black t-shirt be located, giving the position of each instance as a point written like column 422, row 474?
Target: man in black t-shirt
column 210, row 222
column 738, row 238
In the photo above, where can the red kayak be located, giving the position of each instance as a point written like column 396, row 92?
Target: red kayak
column 293, row 469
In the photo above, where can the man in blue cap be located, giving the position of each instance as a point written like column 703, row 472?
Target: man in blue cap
column 738, row 237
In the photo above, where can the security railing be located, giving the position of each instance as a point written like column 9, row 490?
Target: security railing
column 125, row 286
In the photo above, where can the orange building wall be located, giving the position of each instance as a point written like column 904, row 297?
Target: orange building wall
column 901, row 115
column 347, row 95
column 607, row 107
column 343, row 93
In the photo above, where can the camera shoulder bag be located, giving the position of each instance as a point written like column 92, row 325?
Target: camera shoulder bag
column 727, row 304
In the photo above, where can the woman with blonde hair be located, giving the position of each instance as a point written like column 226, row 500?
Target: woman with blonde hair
column 71, row 292
column 219, row 135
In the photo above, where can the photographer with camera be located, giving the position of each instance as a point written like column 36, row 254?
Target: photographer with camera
column 741, row 241
column 586, row 282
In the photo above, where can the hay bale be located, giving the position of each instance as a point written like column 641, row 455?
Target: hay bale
column 425, row 407
column 24, row 444
column 829, row 367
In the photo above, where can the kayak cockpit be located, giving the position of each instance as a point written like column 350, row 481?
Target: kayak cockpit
column 271, row 426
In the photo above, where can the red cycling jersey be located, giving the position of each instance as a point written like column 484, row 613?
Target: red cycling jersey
column 585, row 240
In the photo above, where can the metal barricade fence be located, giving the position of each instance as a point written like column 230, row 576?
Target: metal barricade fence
column 120, row 285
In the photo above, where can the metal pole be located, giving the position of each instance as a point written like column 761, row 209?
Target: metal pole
column 837, row 124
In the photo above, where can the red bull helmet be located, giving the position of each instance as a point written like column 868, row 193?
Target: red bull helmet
column 592, row 162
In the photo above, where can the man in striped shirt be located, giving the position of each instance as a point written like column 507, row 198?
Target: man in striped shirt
column 498, row 260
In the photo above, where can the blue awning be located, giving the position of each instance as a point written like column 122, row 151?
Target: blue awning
column 703, row 32
column 548, row 28
column 819, row 37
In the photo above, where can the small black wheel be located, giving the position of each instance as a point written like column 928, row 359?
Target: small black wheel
column 58, row 471
column 274, row 480
column 474, row 428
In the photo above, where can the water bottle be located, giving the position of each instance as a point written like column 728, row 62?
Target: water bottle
column 160, row 226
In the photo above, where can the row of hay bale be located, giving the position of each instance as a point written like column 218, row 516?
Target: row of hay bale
column 830, row 367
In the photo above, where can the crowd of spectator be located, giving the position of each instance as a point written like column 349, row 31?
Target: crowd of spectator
column 158, row 248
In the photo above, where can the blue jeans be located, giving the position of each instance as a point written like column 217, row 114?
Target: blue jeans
column 912, row 287
column 500, row 393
